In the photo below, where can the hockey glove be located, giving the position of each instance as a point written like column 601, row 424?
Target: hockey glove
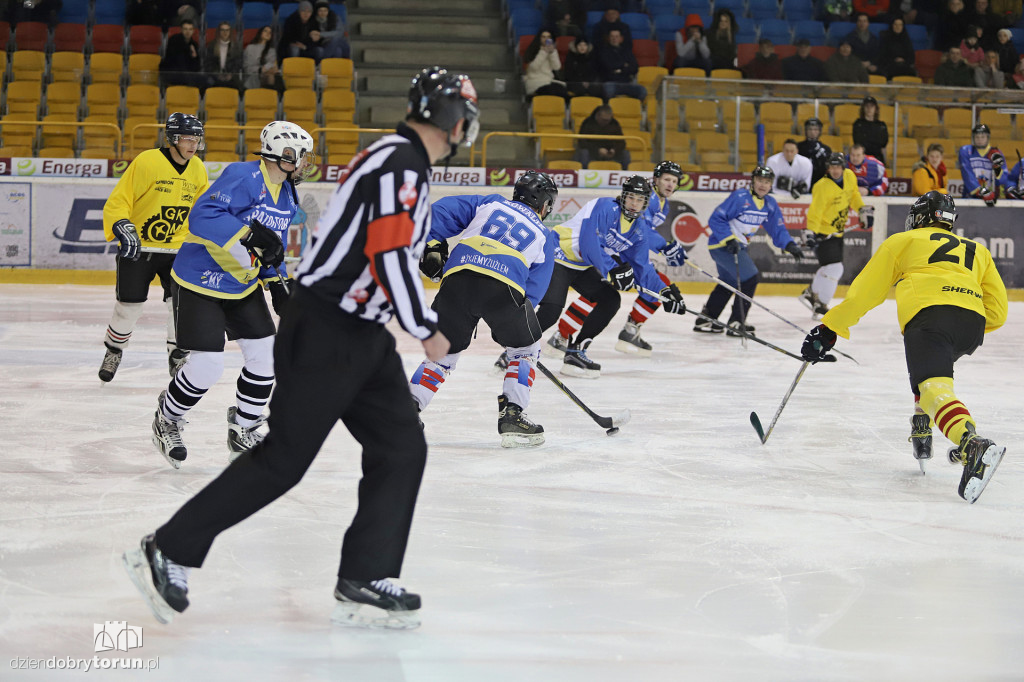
column 672, row 300
column 793, row 250
column 866, row 216
column 621, row 277
column 128, row 237
column 998, row 161
column 434, row 258
column 818, row 343
column 280, row 292
column 810, row 240
column 264, row 244
column 732, row 245
column 1015, row 192
column 784, row 182
column 675, row 254
column 985, row 194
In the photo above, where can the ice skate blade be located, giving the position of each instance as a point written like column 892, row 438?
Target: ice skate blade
column 630, row 349
column 992, row 457
column 173, row 462
column 135, row 564
column 352, row 615
column 521, row 440
column 580, row 372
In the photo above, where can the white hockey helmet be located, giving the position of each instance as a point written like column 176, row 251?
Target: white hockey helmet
column 288, row 142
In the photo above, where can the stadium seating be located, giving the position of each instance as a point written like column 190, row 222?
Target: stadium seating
column 31, row 35
column 221, row 103
column 103, row 99
column 63, row 98
column 144, row 69
column 337, row 73
column 67, row 67
column 142, row 101
column 107, row 38
column 28, row 65
column 145, row 39
column 100, row 136
column 23, row 97
column 298, row 72
column 184, row 98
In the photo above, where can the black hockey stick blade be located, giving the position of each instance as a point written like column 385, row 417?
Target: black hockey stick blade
column 610, row 424
column 756, row 423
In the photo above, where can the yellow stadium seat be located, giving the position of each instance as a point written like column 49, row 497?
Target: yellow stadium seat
column 714, row 157
column 636, row 147
column 221, row 103
column 747, row 115
column 875, row 79
column 17, row 151
column 102, row 99
column 298, row 72
column 776, row 117
column 340, row 105
column 627, row 111
column 729, row 74
column 706, row 140
column 641, row 167
column 337, row 73
column 260, row 105
column 221, row 135
column 700, row 114
column 98, row 153
column 904, row 149
column 581, row 107
column 805, row 110
column 950, row 147
column 140, row 134
column 677, row 145
column 221, row 157
column 67, row 67
column 144, row 69
column 779, row 139
column 56, row 153
column 299, row 105
column 23, row 97
column 141, row 101
column 920, row 121
column 547, row 110
column 97, row 136
column 1001, row 125
column 106, row 68
column 605, row 165
column 183, row 98
column 957, row 122
column 59, row 135
column 689, row 72
column 63, row 98
column 566, row 164
column 907, row 79
column 837, row 143
column 650, row 77
column 844, row 115
column 28, row 65
column 19, row 135
column 748, row 142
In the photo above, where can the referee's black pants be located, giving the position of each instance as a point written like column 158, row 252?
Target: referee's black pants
column 329, row 366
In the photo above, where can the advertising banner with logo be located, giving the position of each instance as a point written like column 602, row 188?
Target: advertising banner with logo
column 15, row 224
column 59, row 168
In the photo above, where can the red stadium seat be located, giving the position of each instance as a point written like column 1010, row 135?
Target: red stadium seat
column 69, row 38
column 927, row 61
column 107, row 38
column 646, row 52
column 5, row 35
column 31, row 35
column 145, row 39
column 670, row 55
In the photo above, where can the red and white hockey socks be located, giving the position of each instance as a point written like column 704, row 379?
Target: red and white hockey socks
column 573, row 317
column 429, row 376
column 520, row 374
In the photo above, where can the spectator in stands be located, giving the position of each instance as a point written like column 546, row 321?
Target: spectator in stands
column 981, row 16
column 260, row 60
column 722, row 40
column 844, row 67
column 802, row 66
column 917, row 12
column 691, row 45
column 929, row 174
column 1008, row 56
column 564, row 26
column 765, row 65
column 45, row 11
column 181, row 64
column 223, row 63
column 174, row 12
column 601, row 122
column 1007, row 10
column 954, row 72
column 864, row 43
column 792, row 172
column 870, row 172
column 612, row 21
column 580, row 72
column 953, row 22
column 567, row 17
column 142, row 13
column 869, row 132
column 617, row 67
column 875, row 9
column 896, row 51
column 971, row 49
column 333, row 36
column 542, row 63
column 299, row 37
column 988, row 75
column 837, row 10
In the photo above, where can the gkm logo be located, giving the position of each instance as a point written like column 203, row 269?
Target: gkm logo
column 686, row 226
column 163, row 227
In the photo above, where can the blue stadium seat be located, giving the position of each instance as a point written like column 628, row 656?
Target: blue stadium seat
column 1018, row 40
column 526, row 22
column 798, row 10
column 876, row 29
column 665, row 26
column 220, row 10
column 639, row 24
column 256, row 14
column 659, row 7
column 746, row 36
column 108, row 12
column 776, row 30
column 738, row 7
column 764, row 9
column 838, row 30
column 700, row 7
column 813, row 30
column 514, row 5
column 919, row 36
column 341, row 10
column 75, row 13
column 746, row 26
column 285, row 10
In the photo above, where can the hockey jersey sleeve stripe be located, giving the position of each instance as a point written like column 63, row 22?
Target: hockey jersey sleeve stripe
column 388, row 233
column 405, row 293
column 225, row 258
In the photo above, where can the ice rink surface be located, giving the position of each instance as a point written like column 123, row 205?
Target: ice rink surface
column 680, row 549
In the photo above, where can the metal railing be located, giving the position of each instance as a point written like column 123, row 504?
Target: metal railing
column 644, row 142
column 69, row 124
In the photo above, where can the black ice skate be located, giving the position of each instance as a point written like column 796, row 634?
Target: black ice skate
column 558, row 343
column 980, row 457
column 737, row 328
column 811, row 300
column 501, row 364
column 176, row 359
column 921, row 438
column 162, row 583
column 111, row 361
column 631, row 342
column 375, row 604
column 167, row 435
column 515, row 429
column 708, row 325
column 242, row 438
column 577, row 364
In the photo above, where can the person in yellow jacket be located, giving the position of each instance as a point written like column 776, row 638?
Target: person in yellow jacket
column 929, row 173
column 832, row 197
column 948, row 296
column 148, row 214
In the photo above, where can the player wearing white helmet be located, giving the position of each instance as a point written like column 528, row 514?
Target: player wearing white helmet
column 239, row 227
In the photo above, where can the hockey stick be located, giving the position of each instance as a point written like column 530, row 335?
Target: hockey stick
column 610, row 424
column 743, row 320
column 742, row 332
column 742, row 295
column 756, row 423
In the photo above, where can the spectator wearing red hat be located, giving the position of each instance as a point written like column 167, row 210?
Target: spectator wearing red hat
column 691, row 46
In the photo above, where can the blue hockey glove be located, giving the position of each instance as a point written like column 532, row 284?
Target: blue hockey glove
column 675, row 254
column 128, row 238
column 818, row 343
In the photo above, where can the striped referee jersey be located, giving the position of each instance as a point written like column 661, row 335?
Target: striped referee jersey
column 368, row 242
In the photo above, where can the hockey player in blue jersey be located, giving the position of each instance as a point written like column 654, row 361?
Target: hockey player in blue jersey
column 667, row 176
column 603, row 249
column 870, row 172
column 980, row 166
column 1012, row 181
column 731, row 224
column 498, row 272
column 237, row 230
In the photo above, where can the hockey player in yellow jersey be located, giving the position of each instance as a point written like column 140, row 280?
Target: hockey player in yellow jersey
column 832, row 197
column 148, row 214
column 948, row 296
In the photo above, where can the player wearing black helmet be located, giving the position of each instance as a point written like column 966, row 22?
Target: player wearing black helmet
column 446, row 101
column 981, row 164
column 498, row 271
column 812, row 148
column 948, row 296
column 147, row 212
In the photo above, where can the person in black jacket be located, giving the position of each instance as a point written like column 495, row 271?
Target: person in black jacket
column 618, row 68
column 580, row 72
column 802, row 66
column 181, row 63
column 601, row 122
column 870, row 132
column 814, row 149
column 896, row 51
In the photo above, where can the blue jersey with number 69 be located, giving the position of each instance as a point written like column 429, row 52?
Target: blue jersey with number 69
column 500, row 238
